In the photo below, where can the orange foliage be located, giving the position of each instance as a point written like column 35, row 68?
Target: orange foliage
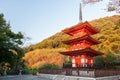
column 38, row 57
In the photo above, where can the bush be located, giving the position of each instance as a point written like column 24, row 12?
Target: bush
column 33, row 71
column 109, row 61
column 26, row 71
column 67, row 64
column 99, row 62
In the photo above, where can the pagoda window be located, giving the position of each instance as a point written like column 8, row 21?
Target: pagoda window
column 86, row 60
column 82, row 60
column 81, row 47
column 76, row 37
column 73, row 60
column 73, row 65
column 78, row 34
column 78, row 45
column 91, row 61
column 81, row 43
column 76, row 48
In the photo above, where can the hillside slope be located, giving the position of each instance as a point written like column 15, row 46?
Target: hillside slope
column 47, row 51
column 38, row 57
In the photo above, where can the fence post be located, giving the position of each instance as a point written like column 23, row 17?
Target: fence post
column 94, row 73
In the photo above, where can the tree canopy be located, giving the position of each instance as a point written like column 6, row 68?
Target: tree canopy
column 109, row 34
column 109, row 29
column 10, row 50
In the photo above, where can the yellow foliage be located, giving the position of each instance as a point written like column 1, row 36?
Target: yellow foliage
column 35, row 58
column 109, row 36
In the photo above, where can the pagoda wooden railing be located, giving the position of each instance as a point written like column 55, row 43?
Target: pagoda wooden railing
column 82, row 72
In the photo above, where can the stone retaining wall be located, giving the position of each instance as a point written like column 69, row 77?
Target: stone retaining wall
column 63, row 77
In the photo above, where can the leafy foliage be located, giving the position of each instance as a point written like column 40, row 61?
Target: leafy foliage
column 54, row 41
column 99, row 62
column 108, row 61
column 10, row 50
column 109, row 36
column 38, row 57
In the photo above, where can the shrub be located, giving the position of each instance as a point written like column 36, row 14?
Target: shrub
column 33, row 71
column 99, row 62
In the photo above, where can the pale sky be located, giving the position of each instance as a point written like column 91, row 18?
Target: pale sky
column 40, row 19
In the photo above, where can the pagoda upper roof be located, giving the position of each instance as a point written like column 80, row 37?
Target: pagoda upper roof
column 79, row 26
column 87, row 51
column 85, row 37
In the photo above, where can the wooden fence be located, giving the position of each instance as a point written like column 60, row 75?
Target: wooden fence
column 82, row 72
column 106, row 72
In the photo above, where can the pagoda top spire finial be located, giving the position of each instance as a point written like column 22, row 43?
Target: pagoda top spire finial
column 80, row 13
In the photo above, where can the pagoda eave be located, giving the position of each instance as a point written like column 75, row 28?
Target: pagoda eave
column 83, row 25
column 85, row 37
column 87, row 51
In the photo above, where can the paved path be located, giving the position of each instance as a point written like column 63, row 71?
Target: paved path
column 23, row 77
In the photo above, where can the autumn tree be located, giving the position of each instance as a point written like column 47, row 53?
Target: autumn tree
column 109, row 35
column 110, row 41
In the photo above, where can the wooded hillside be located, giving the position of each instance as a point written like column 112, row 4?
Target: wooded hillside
column 47, row 51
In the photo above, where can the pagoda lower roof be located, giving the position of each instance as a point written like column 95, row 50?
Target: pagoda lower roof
column 86, row 51
column 85, row 37
column 80, row 26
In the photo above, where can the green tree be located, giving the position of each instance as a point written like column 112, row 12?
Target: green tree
column 107, row 61
column 10, row 50
column 108, row 35
column 99, row 62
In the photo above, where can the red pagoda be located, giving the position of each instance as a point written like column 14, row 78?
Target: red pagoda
column 81, row 51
